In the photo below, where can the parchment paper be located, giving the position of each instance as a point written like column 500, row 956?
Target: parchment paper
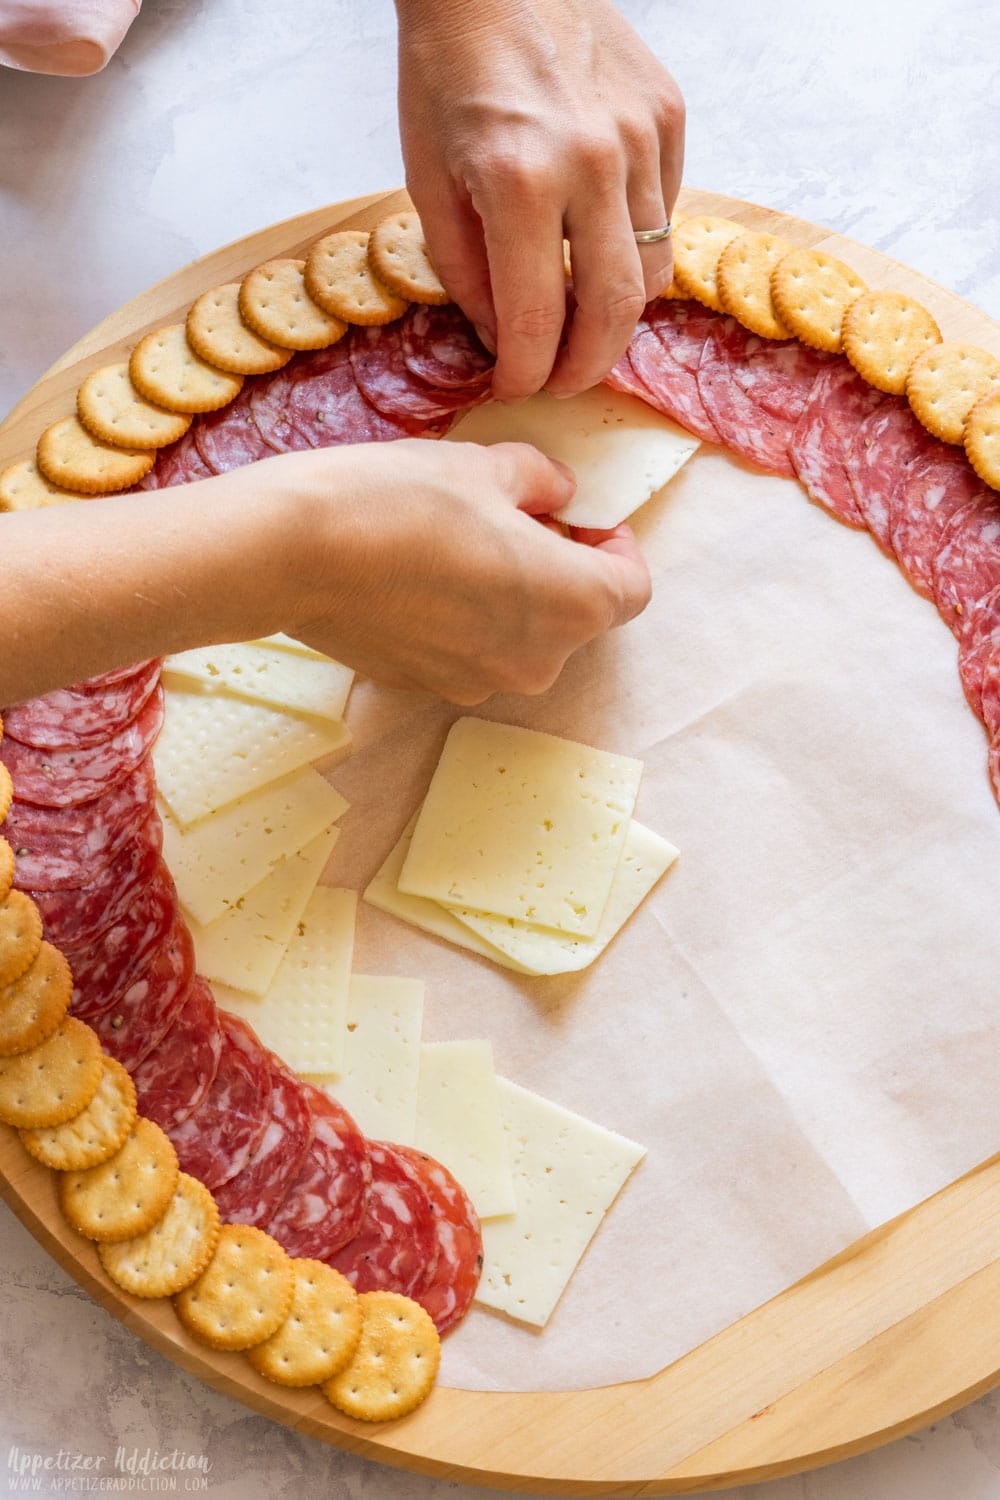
column 800, row 1024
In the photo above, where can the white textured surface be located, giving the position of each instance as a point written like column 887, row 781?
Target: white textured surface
column 216, row 119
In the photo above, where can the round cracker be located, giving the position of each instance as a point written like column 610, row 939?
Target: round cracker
column 218, row 333
column 110, row 408
column 32, row 1007
column 23, row 487
column 395, row 1364
column 320, row 1334
column 6, row 791
column 166, row 370
column 884, row 332
column 70, row 456
column 174, row 1252
column 20, row 939
column 982, row 438
column 944, row 384
column 400, row 259
column 811, row 292
column 743, row 278
column 243, row 1295
column 126, row 1194
column 339, row 277
column 6, row 868
column 698, row 243
column 96, row 1132
column 54, row 1081
column 275, row 303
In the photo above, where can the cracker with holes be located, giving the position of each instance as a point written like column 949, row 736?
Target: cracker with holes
column 24, row 487
column 54, row 1081
column 884, row 332
column 217, row 332
column 72, row 458
column 110, row 408
column 169, row 1256
column 244, row 1294
column 20, row 936
column 6, row 791
column 395, row 1364
column 127, row 1193
column 6, row 867
column 743, row 277
column 698, row 243
column 400, row 259
column 338, row 275
column 944, row 384
column 982, row 438
column 320, row 1334
column 33, row 1005
column 275, row 303
column 93, row 1135
column 811, row 292
column 166, row 370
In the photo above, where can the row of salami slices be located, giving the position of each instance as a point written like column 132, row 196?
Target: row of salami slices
column 409, row 378
column 275, row 1152
column 863, row 455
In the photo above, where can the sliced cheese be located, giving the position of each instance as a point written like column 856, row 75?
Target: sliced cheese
column 567, row 1173
column 384, row 892
column 214, row 748
column 539, row 950
column 268, row 674
column 303, row 1015
column 522, row 824
column 459, row 1122
column 289, row 643
column 620, row 449
column 244, row 946
column 218, row 859
column 378, row 1081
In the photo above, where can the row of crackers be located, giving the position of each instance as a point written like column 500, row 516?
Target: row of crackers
column 156, row 1228
column 779, row 290
column 126, row 411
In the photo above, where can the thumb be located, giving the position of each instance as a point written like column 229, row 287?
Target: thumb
column 624, row 568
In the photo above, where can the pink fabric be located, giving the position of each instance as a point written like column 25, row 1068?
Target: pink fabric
column 68, row 38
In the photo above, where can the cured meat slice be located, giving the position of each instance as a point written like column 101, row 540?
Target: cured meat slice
column 665, row 353
column 396, row 1248
column 979, row 639
column 325, row 1205
column 72, row 717
column 441, row 348
column 882, row 453
column 254, row 1195
column 107, row 965
column 622, row 377
column 114, row 677
column 218, row 1138
column 269, row 409
column 229, row 438
column 75, row 917
column 180, row 463
column 839, row 400
column 63, row 778
column 62, row 848
column 935, row 487
column 326, row 406
column 459, row 1242
column 173, row 1079
column 385, row 381
column 130, row 1028
column 994, row 766
column 991, row 694
column 967, row 564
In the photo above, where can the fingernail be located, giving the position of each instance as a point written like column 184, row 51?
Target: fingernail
column 487, row 338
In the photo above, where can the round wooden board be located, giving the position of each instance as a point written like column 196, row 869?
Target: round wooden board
column 896, row 1331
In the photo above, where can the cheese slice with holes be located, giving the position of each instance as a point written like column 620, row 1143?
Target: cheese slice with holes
column 214, row 748
column 567, row 1173
column 244, row 946
column 459, row 1121
column 303, row 684
column 621, row 450
column 215, row 861
column 522, row 824
column 378, row 1081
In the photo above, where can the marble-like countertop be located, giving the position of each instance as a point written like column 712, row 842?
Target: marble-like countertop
column 220, row 116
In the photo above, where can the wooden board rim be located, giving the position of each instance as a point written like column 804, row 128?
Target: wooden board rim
column 860, row 1351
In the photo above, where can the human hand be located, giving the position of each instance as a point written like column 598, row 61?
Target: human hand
column 423, row 565
column 523, row 121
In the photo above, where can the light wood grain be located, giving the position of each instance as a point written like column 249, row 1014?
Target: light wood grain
column 899, row 1329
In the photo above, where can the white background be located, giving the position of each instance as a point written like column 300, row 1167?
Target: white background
column 221, row 116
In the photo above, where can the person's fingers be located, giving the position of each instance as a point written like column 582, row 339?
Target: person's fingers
column 536, row 484
column 647, row 211
column 624, row 568
column 454, row 236
column 671, row 133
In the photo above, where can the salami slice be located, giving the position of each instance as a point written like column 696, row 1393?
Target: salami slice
column 755, row 390
column 326, row 406
column 385, row 380
column 62, row 848
column 779, row 375
column 180, row 463
column 994, row 767
column 63, row 778
column 967, row 564
column 109, row 963
column 269, row 410
column 935, row 487
column 114, row 677
column 459, row 1242
column 838, row 402
column 622, row 377
column 131, row 1027
column 991, row 695
column 979, row 639
column 75, row 917
column 254, row 1195
column 882, row 454
column 441, row 348
column 218, row 1138
column 229, row 438
column 173, row 1079
column 396, row 1248
column 71, row 717
column 665, row 353
column 325, row 1205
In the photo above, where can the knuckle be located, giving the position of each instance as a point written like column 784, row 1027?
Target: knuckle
column 601, row 158
column 541, row 321
column 671, row 111
column 639, row 135
column 624, row 304
column 510, row 173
